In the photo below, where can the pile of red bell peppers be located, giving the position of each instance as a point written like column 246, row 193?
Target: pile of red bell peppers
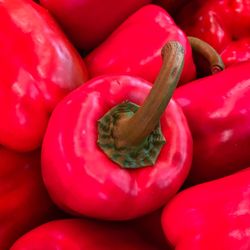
column 125, row 125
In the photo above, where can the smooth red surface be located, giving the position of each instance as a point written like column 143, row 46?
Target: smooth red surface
column 225, row 24
column 213, row 215
column 79, row 234
column 38, row 68
column 81, row 179
column 89, row 22
column 24, row 202
column 218, row 112
column 135, row 46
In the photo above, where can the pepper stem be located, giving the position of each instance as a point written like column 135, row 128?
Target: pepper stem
column 132, row 131
column 208, row 52
column 136, row 136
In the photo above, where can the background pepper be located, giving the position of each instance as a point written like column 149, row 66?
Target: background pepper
column 75, row 234
column 135, row 46
column 39, row 68
column 219, row 118
column 82, row 179
column 89, row 22
column 223, row 24
column 24, row 202
column 213, row 215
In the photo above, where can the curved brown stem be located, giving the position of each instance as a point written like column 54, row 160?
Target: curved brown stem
column 131, row 135
column 132, row 131
column 208, row 52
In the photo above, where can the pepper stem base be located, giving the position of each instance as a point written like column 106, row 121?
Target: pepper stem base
column 142, row 155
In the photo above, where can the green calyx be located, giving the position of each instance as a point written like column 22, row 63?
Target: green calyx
column 142, row 155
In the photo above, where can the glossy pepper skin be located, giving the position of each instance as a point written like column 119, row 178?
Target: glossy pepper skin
column 213, row 215
column 24, row 202
column 75, row 234
column 82, row 179
column 39, row 68
column 89, row 22
column 224, row 24
column 219, row 118
column 135, row 46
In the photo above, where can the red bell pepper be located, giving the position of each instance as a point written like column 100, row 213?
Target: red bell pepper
column 214, row 215
column 24, row 202
column 111, row 161
column 224, row 24
column 76, row 234
column 135, row 46
column 39, row 68
column 218, row 113
column 89, row 22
